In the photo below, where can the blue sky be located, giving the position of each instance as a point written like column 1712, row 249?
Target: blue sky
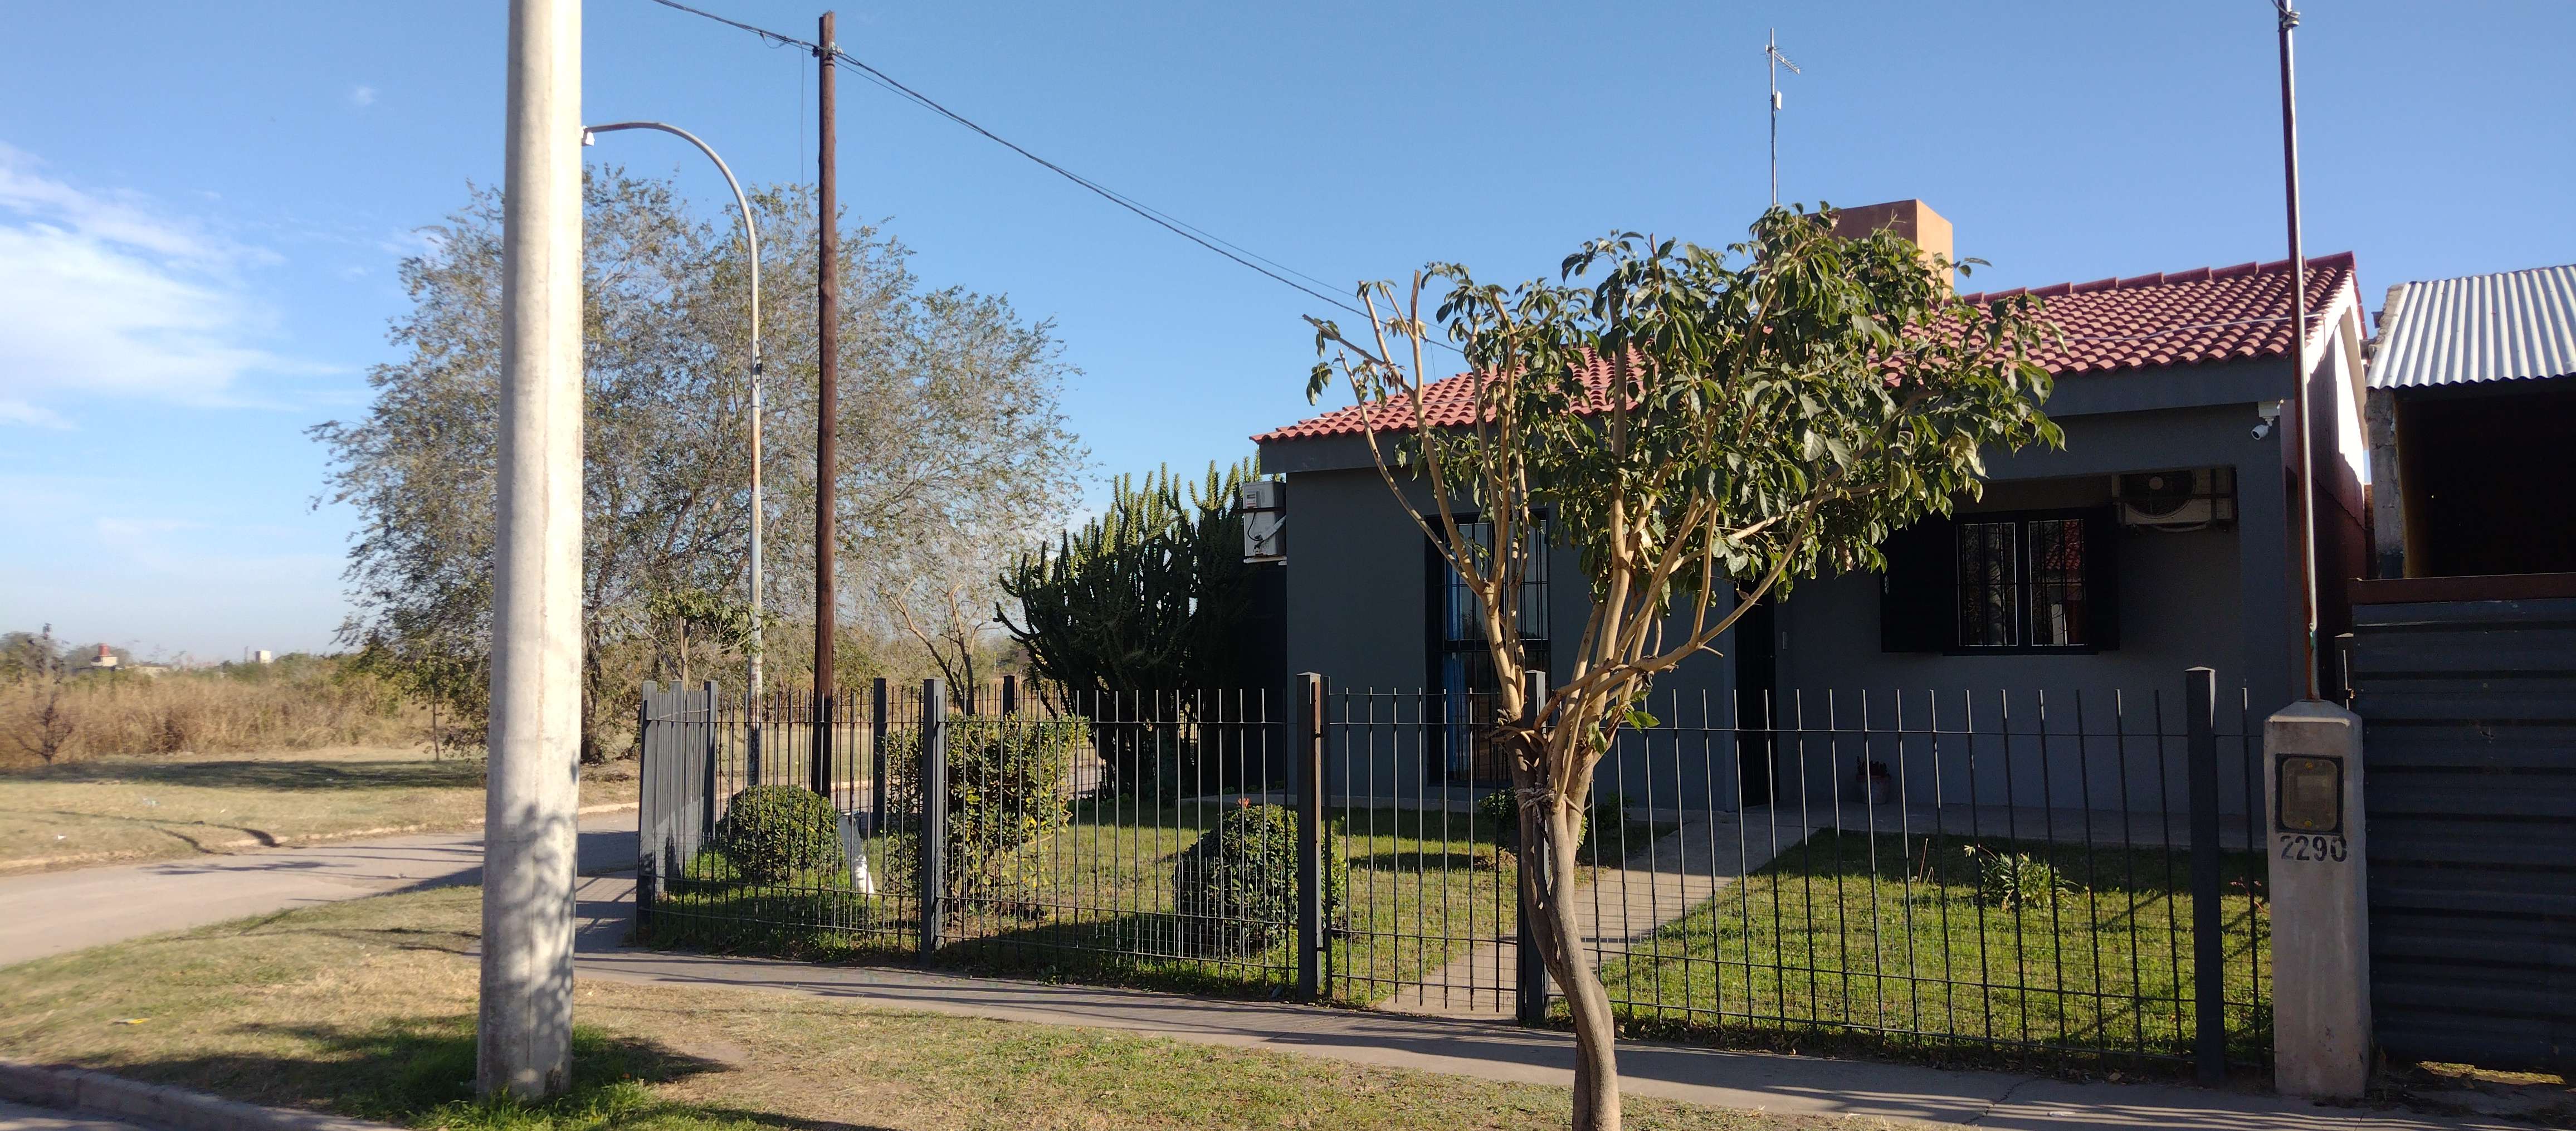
column 202, row 206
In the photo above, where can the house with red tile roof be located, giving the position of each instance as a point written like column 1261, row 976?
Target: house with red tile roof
column 2161, row 537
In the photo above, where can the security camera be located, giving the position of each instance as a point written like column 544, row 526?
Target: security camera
column 2271, row 414
column 2262, row 429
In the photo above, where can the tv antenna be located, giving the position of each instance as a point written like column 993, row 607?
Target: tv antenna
column 1771, row 54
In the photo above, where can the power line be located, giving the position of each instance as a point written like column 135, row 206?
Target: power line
column 1240, row 255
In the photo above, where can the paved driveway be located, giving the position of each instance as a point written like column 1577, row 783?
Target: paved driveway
column 54, row 912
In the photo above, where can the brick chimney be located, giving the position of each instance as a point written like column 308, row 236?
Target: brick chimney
column 1911, row 219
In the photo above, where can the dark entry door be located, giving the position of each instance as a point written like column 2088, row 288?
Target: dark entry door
column 1757, row 681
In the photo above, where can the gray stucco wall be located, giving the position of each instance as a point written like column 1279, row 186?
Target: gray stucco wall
column 1358, row 593
column 1360, row 612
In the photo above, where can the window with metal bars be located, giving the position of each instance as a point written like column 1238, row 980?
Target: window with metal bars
column 2002, row 582
column 1463, row 666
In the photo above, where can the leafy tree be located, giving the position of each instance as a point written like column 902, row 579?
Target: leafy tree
column 29, row 655
column 1704, row 428
column 35, row 659
column 690, row 627
column 949, row 409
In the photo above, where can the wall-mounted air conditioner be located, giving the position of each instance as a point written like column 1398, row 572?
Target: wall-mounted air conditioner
column 2188, row 499
column 1265, row 520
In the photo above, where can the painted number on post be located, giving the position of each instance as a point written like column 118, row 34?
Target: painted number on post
column 2302, row 846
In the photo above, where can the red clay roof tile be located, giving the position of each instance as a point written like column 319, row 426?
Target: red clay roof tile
column 2194, row 317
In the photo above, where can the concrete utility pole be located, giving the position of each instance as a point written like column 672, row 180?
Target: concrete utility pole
column 2315, row 773
column 524, row 1043
column 827, row 416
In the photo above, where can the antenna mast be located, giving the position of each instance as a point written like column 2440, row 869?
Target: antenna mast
column 1771, row 54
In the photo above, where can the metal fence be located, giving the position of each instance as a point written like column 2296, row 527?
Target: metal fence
column 1064, row 831
column 2064, row 874
column 2067, row 875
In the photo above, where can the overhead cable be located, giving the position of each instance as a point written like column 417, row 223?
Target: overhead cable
column 1271, row 268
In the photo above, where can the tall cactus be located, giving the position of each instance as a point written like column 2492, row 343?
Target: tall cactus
column 1147, row 598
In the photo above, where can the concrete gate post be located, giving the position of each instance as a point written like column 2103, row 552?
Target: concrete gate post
column 2320, row 905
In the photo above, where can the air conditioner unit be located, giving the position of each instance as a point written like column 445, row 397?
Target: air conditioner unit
column 1265, row 520
column 2189, row 499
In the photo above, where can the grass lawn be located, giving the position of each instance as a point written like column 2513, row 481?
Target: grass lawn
column 1876, row 938
column 365, row 1008
column 143, row 808
column 1093, row 902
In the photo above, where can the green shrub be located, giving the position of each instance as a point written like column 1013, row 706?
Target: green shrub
column 1500, row 812
column 2009, row 880
column 772, row 832
column 1235, row 891
column 1006, row 788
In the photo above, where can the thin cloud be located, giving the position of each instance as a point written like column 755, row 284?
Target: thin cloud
column 110, row 294
column 20, row 412
column 362, row 96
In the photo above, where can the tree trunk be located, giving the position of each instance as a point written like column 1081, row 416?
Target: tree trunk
column 1549, row 900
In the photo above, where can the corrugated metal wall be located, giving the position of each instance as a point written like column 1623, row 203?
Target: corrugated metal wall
column 2469, row 712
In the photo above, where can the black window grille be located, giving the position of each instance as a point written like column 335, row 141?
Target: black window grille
column 2022, row 583
column 1465, row 666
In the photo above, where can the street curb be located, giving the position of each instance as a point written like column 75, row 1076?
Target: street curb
column 159, row 1105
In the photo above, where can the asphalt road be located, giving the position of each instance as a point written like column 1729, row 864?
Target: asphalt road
column 53, row 912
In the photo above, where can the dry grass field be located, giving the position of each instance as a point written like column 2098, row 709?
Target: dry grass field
column 301, row 706
column 108, row 810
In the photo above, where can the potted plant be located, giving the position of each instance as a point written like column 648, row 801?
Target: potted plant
column 1875, row 783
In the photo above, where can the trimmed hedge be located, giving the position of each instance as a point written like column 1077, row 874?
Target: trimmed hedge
column 1007, row 787
column 1235, row 891
column 772, row 832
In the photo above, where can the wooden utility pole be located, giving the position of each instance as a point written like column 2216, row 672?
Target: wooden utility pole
column 827, row 414
column 523, row 1041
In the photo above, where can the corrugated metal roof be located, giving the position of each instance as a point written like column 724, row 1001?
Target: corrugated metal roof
column 2514, row 326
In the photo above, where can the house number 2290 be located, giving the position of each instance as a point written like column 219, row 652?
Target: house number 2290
column 2303, row 846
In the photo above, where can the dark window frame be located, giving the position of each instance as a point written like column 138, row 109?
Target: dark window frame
column 2024, row 584
column 1441, row 644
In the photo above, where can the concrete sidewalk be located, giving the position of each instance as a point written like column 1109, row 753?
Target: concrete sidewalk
column 55, row 912
column 1758, row 1081
column 20, row 1117
column 1618, row 911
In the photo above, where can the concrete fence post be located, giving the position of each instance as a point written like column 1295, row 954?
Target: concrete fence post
column 2320, row 902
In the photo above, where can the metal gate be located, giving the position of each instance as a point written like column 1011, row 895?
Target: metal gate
column 2469, row 709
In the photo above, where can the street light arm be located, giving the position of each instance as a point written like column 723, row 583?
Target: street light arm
column 750, row 229
column 751, row 237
